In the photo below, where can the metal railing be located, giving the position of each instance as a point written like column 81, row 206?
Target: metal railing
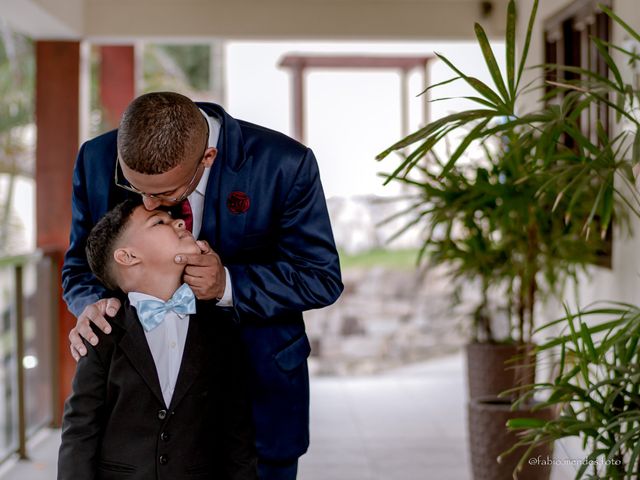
column 28, row 343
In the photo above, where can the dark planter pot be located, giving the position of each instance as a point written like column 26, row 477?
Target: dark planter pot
column 489, row 437
column 489, row 371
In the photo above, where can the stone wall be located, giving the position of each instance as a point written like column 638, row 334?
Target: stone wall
column 385, row 318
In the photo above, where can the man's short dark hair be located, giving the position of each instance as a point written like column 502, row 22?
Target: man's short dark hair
column 103, row 239
column 158, row 131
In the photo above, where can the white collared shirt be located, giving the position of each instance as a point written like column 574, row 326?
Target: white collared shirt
column 196, row 200
column 166, row 343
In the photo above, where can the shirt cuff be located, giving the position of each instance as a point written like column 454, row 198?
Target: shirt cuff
column 227, row 297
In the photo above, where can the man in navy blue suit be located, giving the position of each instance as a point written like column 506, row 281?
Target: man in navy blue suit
column 253, row 198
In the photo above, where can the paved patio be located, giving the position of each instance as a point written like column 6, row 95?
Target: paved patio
column 408, row 424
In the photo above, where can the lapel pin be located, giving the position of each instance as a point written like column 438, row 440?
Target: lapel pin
column 238, row 202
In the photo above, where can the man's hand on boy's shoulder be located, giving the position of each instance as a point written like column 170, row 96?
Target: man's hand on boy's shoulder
column 204, row 272
column 94, row 313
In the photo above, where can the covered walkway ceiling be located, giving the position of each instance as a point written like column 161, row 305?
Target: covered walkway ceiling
column 124, row 20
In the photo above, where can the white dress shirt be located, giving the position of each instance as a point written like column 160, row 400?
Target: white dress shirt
column 166, row 343
column 196, row 200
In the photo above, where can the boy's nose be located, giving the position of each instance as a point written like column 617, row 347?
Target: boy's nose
column 150, row 203
column 179, row 223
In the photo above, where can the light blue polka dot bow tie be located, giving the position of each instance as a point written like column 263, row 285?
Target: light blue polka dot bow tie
column 152, row 312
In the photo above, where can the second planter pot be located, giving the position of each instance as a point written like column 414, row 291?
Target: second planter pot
column 489, row 438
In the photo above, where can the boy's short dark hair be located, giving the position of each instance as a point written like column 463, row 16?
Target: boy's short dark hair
column 103, row 238
column 158, row 130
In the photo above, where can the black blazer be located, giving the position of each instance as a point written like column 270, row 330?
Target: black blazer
column 117, row 426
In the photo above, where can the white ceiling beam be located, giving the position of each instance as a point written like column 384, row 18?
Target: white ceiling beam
column 282, row 19
column 45, row 19
column 128, row 20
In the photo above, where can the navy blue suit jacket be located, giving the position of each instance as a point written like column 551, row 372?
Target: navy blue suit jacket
column 280, row 254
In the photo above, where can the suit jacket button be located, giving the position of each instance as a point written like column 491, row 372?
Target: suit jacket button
column 164, row 436
column 162, row 414
column 163, row 459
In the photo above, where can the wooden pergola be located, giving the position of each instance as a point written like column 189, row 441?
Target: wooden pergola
column 301, row 64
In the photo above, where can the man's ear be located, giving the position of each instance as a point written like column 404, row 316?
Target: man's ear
column 209, row 156
column 126, row 257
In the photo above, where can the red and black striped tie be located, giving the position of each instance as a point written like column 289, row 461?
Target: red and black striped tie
column 187, row 214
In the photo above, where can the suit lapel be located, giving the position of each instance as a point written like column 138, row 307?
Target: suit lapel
column 194, row 359
column 230, row 225
column 134, row 345
column 211, row 211
column 230, row 173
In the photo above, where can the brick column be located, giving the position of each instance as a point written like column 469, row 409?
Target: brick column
column 117, row 80
column 57, row 122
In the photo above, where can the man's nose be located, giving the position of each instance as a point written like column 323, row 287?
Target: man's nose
column 151, row 203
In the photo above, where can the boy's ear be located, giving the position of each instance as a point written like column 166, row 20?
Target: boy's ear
column 126, row 257
column 209, row 156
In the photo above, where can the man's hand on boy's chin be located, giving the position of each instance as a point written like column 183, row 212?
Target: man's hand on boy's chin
column 204, row 272
column 93, row 313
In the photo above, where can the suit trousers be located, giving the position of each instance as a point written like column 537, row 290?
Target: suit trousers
column 277, row 471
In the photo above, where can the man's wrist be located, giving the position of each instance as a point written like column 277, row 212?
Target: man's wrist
column 227, row 297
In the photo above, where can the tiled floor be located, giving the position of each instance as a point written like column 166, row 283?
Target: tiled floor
column 408, row 424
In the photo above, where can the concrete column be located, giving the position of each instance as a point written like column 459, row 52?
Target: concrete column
column 298, row 103
column 217, row 73
column 117, row 80
column 404, row 102
column 426, row 112
column 57, row 122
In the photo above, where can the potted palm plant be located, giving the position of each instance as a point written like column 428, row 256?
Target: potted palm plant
column 480, row 220
column 596, row 385
column 596, row 391
column 482, row 223
column 495, row 220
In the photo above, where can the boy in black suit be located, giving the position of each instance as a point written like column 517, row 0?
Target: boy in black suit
column 140, row 408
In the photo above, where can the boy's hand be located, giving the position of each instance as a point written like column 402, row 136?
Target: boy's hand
column 92, row 313
column 204, row 273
